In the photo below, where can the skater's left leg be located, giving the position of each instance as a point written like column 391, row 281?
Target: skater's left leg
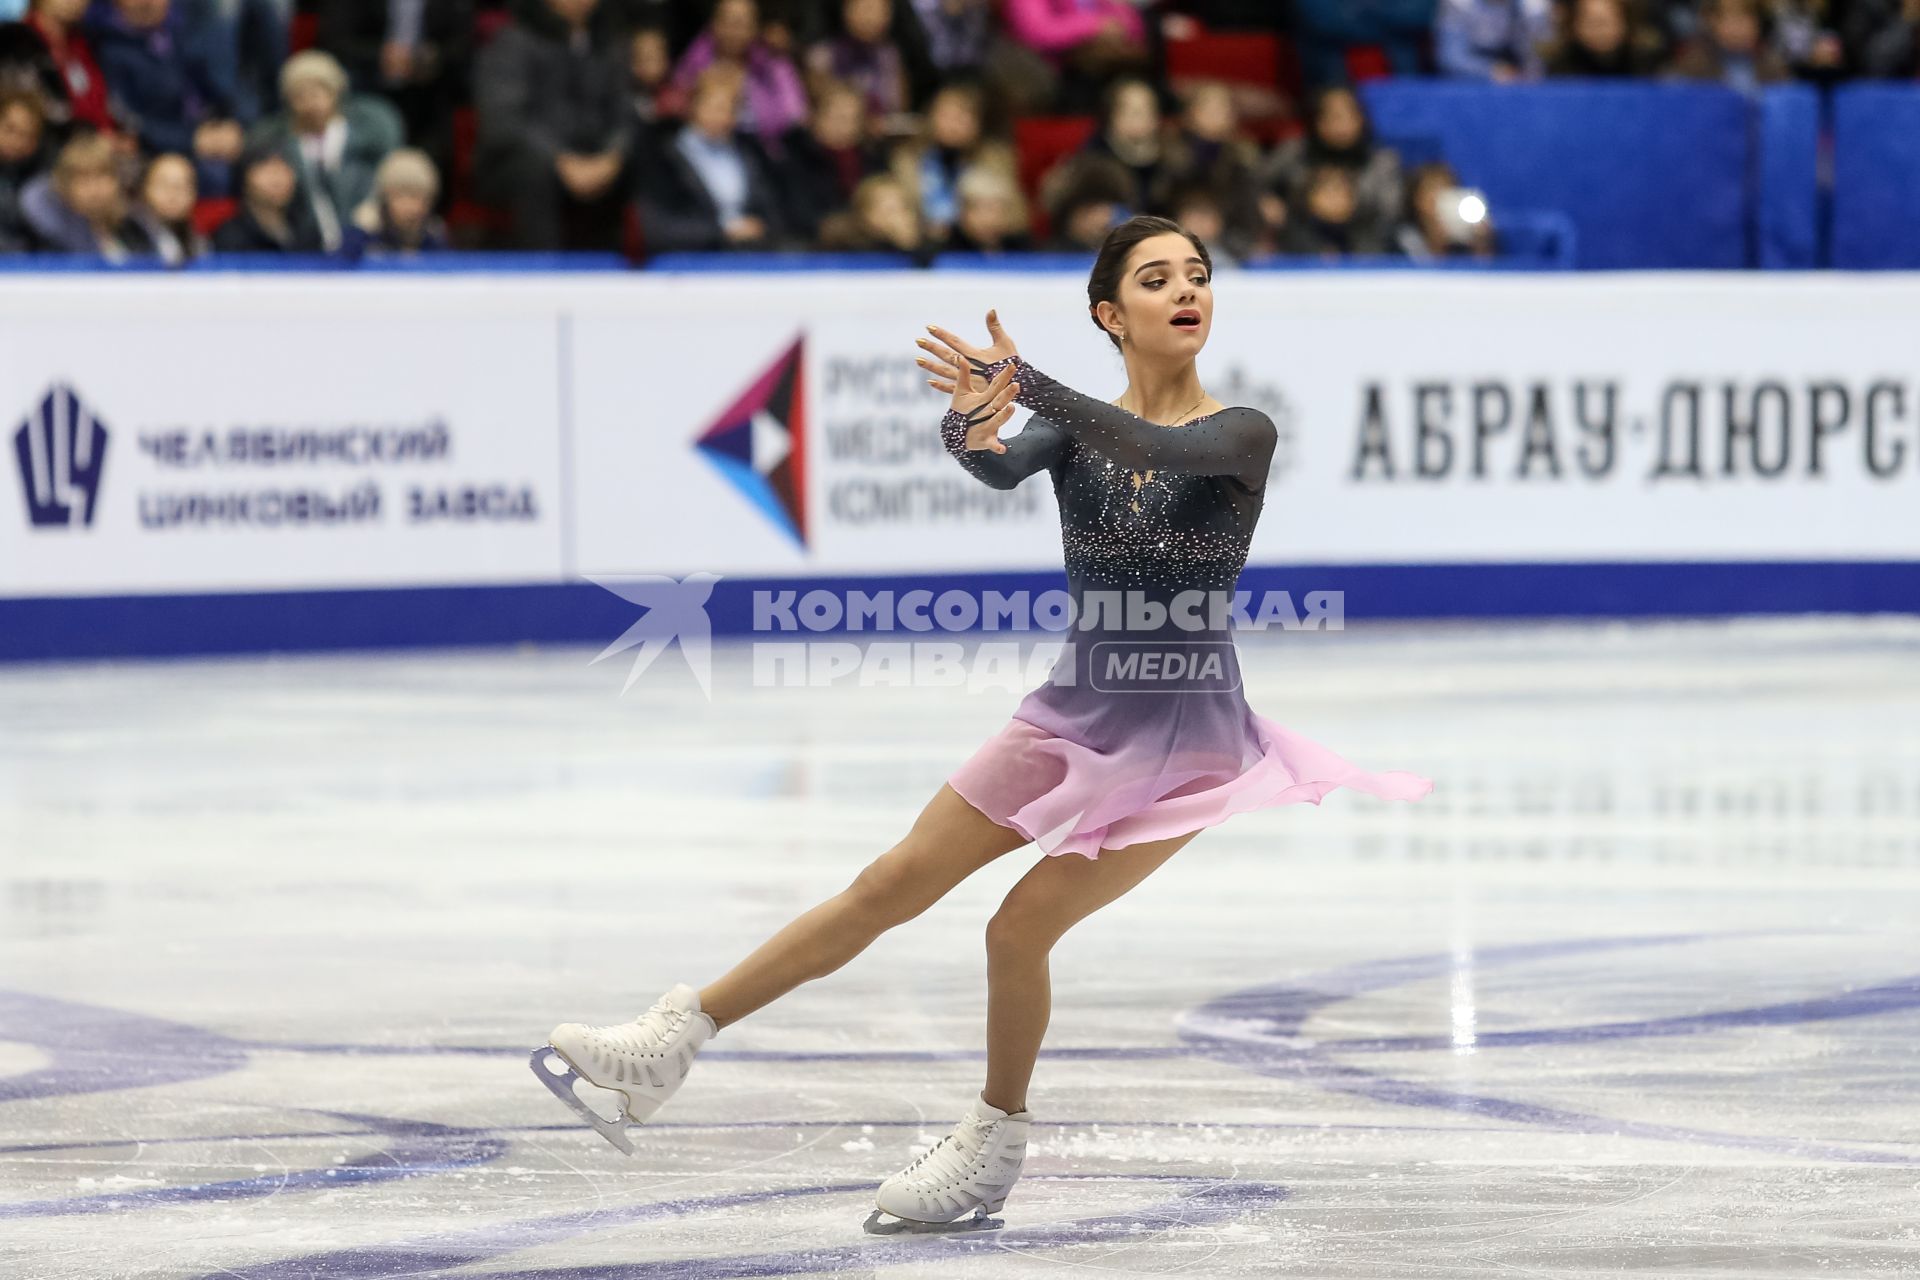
column 1059, row 892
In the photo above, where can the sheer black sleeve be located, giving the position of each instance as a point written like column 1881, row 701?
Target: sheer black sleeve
column 1039, row 445
column 1236, row 442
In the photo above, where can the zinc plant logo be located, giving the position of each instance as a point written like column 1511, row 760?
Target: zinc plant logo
column 61, row 452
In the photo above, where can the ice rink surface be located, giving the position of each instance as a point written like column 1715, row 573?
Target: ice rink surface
column 1635, row 991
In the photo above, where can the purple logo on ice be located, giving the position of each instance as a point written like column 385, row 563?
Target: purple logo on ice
column 61, row 449
column 676, row 609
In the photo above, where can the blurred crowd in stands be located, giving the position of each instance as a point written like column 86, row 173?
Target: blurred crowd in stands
column 169, row 129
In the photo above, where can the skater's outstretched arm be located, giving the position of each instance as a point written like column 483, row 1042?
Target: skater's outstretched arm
column 1039, row 445
column 1237, row 442
column 971, row 430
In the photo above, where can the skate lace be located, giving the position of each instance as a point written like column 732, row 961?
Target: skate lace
column 653, row 1028
column 949, row 1159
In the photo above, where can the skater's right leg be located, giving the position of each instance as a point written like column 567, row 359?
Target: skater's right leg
column 949, row 841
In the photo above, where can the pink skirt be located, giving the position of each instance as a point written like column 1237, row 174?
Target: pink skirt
column 1067, row 797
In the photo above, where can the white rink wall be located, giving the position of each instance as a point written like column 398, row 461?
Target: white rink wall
column 233, row 437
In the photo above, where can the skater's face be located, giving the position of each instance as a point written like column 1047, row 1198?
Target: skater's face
column 1165, row 306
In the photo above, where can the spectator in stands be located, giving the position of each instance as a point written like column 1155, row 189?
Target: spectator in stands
column 163, row 211
column 957, row 33
column 1497, row 40
column 992, row 216
column 79, row 207
column 48, row 52
column 246, row 43
column 1090, row 41
column 1883, row 37
column 159, row 68
column 335, row 143
column 1807, row 34
column 1326, row 29
column 1428, row 234
column 823, row 164
column 952, row 141
column 23, row 157
column 417, row 54
column 1198, row 209
column 863, row 56
column 1127, row 145
column 1677, row 21
column 883, row 220
column 1095, row 204
column 1328, row 222
column 649, row 74
column 1733, row 48
column 397, row 220
column 714, row 187
column 1605, row 39
column 774, row 99
column 555, row 126
column 270, row 218
column 682, row 21
column 963, row 40
column 1209, row 151
column 1340, row 136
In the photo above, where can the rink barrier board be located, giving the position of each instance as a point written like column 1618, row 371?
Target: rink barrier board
column 89, row 628
column 622, row 425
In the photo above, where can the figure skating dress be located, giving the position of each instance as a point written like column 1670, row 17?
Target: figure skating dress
column 1142, row 732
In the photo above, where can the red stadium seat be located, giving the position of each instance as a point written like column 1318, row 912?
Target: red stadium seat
column 208, row 214
column 1367, row 62
column 1239, row 57
column 304, row 32
column 488, row 23
column 1043, row 141
column 633, row 234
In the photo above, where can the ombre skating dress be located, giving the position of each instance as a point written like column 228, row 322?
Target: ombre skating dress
column 1140, row 734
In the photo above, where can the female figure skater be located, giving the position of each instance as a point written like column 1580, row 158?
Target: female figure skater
column 1108, row 760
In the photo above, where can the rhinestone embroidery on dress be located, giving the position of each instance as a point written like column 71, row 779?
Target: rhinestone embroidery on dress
column 1189, row 528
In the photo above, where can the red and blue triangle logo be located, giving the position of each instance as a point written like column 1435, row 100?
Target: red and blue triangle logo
column 760, row 443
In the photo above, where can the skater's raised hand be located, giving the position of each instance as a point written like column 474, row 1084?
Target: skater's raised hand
column 986, row 407
column 957, row 353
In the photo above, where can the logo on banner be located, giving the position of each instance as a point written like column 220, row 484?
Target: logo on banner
column 60, row 450
column 760, row 443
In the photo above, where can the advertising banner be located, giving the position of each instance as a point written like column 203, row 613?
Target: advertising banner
column 175, row 436
column 256, row 435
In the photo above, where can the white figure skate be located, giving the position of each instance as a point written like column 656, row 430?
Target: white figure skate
column 615, row 1075
column 968, row 1171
